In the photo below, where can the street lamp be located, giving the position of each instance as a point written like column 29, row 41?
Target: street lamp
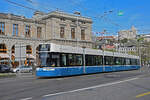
column 104, row 48
column 79, row 14
column 103, row 39
column 139, row 40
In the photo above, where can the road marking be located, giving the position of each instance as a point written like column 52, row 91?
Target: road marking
column 143, row 94
column 97, row 86
column 26, row 98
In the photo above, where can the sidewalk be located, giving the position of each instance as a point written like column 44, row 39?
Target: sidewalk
column 23, row 75
column 7, row 75
column 145, row 69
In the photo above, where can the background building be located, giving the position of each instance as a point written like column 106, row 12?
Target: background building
column 54, row 27
column 106, row 42
column 128, row 34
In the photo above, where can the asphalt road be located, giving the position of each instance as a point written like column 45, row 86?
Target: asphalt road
column 127, row 85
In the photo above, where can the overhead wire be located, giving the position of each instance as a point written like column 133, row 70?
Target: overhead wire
column 17, row 4
column 102, row 16
column 99, row 17
column 39, row 4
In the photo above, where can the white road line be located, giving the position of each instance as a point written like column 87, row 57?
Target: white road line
column 26, row 98
column 97, row 86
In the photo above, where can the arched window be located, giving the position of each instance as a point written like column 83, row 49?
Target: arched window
column 28, row 49
column 3, row 48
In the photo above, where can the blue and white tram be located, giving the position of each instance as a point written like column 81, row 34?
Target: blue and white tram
column 59, row 60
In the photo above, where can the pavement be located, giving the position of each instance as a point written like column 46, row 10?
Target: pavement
column 7, row 75
column 126, row 85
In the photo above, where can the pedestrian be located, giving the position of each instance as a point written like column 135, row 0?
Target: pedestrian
column 33, row 69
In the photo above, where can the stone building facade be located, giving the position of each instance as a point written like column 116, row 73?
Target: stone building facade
column 54, row 27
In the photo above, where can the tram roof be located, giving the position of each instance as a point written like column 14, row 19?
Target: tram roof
column 79, row 50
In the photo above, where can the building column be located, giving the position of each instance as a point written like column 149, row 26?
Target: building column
column 9, row 52
column 34, row 46
column 9, row 47
column 34, row 51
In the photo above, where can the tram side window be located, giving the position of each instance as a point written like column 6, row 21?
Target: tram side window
column 133, row 61
column 70, row 60
column 63, row 60
column 48, row 59
column 55, row 60
column 89, row 60
column 98, row 60
column 108, row 60
column 127, row 61
column 123, row 61
column 78, row 60
column 74, row 60
column 94, row 60
column 112, row 61
column 117, row 61
column 138, row 61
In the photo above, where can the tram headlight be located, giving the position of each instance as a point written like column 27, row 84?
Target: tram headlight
column 44, row 69
column 37, row 69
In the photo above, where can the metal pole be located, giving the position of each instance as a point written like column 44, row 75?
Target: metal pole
column 20, row 58
column 103, row 61
column 140, row 57
column 77, row 32
column 77, row 13
column 84, row 59
column 104, row 50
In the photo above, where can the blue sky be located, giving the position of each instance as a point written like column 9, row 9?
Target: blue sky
column 135, row 12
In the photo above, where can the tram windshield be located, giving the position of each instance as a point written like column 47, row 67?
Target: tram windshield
column 48, row 59
column 44, row 59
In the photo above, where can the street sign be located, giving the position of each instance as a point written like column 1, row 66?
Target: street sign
column 20, row 52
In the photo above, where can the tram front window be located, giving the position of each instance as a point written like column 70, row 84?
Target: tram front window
column 49, row 59
column 44, row 59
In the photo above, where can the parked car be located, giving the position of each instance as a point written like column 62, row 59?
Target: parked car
column 5, row 69
column 23, row 69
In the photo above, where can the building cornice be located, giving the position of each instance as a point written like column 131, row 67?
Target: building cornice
column 40, row 19
column 20, row 38
column 20, row 18
column 71, row 40
column 58, row 14
column 42, row 40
